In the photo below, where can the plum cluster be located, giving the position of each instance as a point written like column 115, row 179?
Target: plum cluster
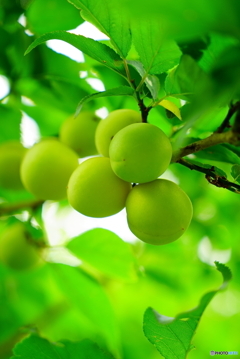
column 127, row 158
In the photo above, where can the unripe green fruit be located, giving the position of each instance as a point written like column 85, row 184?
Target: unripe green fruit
column 95, row 191
column 79, row 133
column 11, row 155
column 113, row 123
column 46, row 169
column 140, row 153
column 16, row 251
column 158, row 212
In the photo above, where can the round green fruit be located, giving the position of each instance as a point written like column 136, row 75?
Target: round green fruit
column 79, row 133
column 11, row 155
column 158, row 212
column 95, row 191
column 140, row 153
column 113, row 123
column 16, row 251
column 46, row 169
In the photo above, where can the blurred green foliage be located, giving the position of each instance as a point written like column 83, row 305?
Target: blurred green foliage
column 101, row 286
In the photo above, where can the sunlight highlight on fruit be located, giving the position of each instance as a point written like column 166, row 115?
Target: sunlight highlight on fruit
column 46, row 169
column 113, row 123
column 140, row 153
column 158, row 212
column 95, row 191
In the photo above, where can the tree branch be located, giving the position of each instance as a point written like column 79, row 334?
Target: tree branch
column 232, row 136
column 212, row 177
column 225, row 124
column 216, row 138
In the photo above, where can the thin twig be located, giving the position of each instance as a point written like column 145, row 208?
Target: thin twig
column 211, row 176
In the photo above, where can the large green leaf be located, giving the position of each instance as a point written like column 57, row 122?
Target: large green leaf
column 156, row 53
column 88, row 297
column 172, row 336
column 110, row 18
column 105, row 251
column 92, row 48
column 35, row 347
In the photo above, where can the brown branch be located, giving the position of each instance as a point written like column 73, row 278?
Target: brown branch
column 212, row 177
column 216, row 138
column 225, row 124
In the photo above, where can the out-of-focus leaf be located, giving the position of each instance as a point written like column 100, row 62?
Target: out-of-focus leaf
column 219, row 153
column 156, row 53
column 225, row 73
column 152, row 82
column 119, row 91
column 235, row 172
column 50, row 15
column 185, row 20
column 40, row 348
column 82, row 290
column 217, row 44
column 187, row 78
column 105, row 251
column 172, row 336
column 10, row 119
column 170, row 106
column 195, row 48
column 110, row 18
column 92, row 48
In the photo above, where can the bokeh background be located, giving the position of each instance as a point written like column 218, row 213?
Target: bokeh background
column 37, row 93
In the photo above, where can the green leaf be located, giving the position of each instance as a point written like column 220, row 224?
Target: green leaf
column 235, row 172
column 110, row 18
column 82, row 290
column 157, row 54
column 186, row 78
column 50, row 15
column 118, row 91
column 219, row 153
column 40, row 348
column 172, row 336
column 218, row 43
column 105, row 251
column 98, row 51
column 151, row 81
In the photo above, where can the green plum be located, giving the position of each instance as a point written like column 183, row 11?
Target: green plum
column 79, row 133
column 113, row 123
column 16, row 251
column 11, row 155
column 140, row 153
column 46, row 169
column 158, row 212
column 95, row 191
